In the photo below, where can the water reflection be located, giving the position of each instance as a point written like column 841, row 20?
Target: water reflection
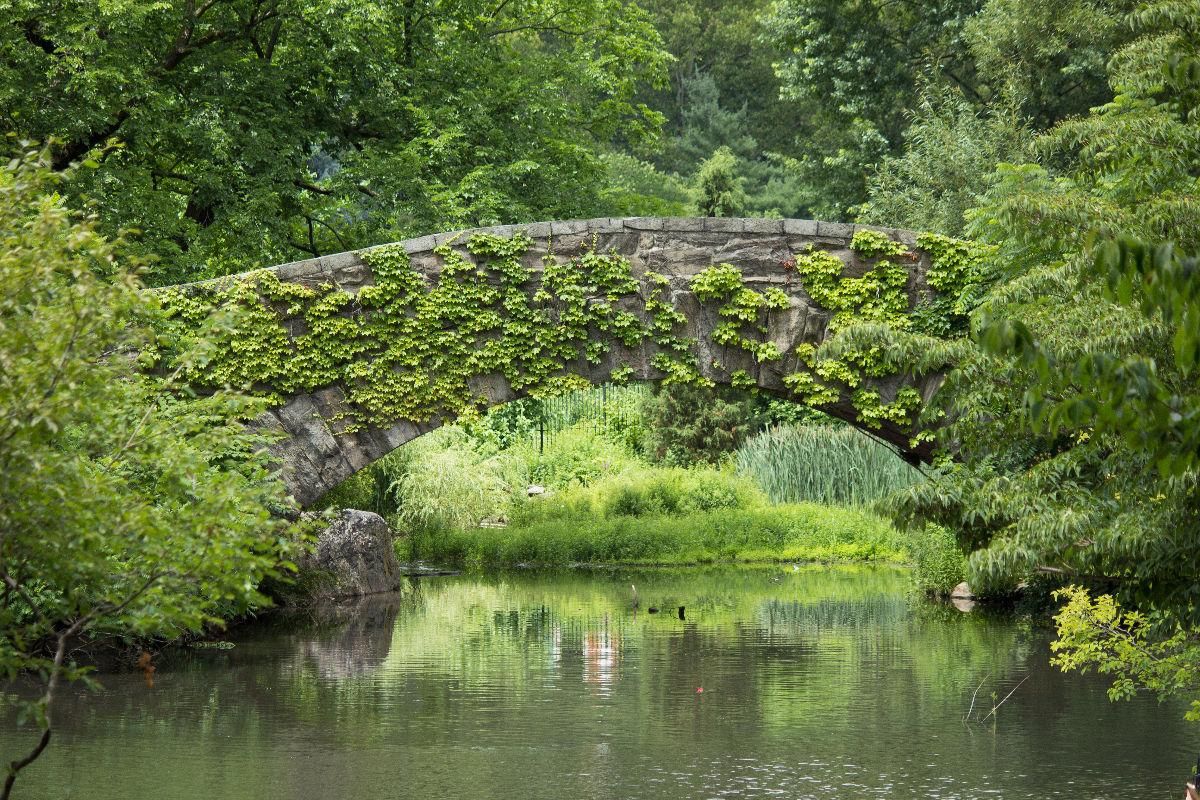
column 352, row 637
column 818, row 684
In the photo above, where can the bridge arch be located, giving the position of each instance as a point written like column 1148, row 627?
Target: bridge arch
column 352, row 348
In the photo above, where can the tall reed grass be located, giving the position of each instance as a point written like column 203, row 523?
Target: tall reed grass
column 823, row 464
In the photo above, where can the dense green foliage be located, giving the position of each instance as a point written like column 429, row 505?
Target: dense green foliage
column 129, row 507
column 1061, row 138
column 688, row 425
column 1072, row 409
column 251, row 133
column 407, row 350
column 607, row 502
column 861, row 72
column 939, row 563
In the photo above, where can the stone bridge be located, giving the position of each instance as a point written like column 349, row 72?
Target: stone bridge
column 710, row 330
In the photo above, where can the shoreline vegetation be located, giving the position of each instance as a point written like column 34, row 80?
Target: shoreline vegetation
column 629, row 477
column 799, row 532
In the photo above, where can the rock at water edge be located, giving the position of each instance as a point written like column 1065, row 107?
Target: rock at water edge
column 357, row 556
column 962, row 591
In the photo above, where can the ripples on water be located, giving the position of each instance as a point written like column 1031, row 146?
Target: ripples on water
column 822, row 683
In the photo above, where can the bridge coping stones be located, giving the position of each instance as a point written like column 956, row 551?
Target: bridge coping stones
column 610, row 225
column 607, row 225
column 536, row 230
column 724, row 224
column 568, row 227
column 348, row 267
column 683, row 224
column 644, row 223
column 840, row 230
column 773, row 226
column 298, row 270
column 419, row 245
column 800, row 227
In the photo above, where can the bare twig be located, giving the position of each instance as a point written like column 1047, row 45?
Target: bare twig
column 975, row 694
column 1002, row 702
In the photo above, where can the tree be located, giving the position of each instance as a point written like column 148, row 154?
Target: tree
column 849, row 71
column 951, row 150
column 724, row 41
column 859, row 72
column 258, row 132
column 128, row 505
column 719, row 187
column 690, row 425
column 1075, row 417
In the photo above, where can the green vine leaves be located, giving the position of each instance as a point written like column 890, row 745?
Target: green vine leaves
column 878, row 296
column 408, row 347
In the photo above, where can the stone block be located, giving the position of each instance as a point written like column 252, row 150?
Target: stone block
column 340, row 261
column 683, row 224
column 724, row 224
column 402, row 432
column 303, row 419
column 267, row 421
column 356, row 454
column 503, row 231
column 835, row 230
column 606, row 225
column 800, row 227
column 771, row 226
column 535, row 230
column 644, row 223
column 300, row 270
column 453, row 238
column 354, row 275
column 419, row 245
column 331, row 404
column 568, row 227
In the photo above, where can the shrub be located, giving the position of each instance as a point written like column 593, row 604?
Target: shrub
column 938, row 559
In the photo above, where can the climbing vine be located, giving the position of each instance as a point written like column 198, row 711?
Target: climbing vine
column 676, row 357
column 879, row 295
column 407, row 349
column 743, row 311
column 960, row 273
column 411, row 347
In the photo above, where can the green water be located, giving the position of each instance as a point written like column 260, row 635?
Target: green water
column 817, row 683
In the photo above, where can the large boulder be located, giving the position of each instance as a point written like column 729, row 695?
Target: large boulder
column 354, row 556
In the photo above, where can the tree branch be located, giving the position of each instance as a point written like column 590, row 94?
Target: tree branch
column 311, row 187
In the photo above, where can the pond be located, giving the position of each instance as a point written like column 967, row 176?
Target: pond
column 809, row 682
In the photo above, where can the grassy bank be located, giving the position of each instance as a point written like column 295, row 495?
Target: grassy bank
column 794, row 532
column 665, row 516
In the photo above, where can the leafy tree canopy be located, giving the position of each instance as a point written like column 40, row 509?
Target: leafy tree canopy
column 128, row 505
column 252, row 132
column 857, row 72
